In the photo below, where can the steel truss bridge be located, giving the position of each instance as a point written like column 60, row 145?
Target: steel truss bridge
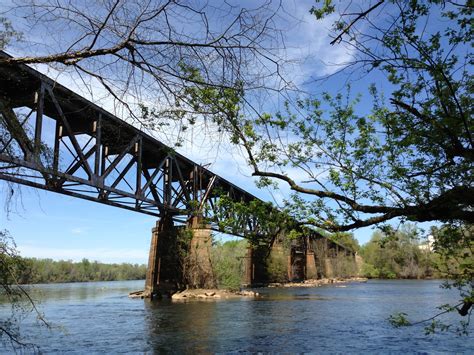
column 53, row 139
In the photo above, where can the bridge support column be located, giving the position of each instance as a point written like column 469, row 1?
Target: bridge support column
column 163, row 275
column 249, row 274
column 329, row 270
column 311, row 270
column 358, row 264
column 297, row 260
column 199, row 270
column 256, row 266
column 297, row 264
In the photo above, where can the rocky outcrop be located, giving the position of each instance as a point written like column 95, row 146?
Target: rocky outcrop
column 203, row 294
column 318, row 282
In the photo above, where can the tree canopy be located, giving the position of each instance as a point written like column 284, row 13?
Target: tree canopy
column 143, row 54
column 407, row 154
column 411, row 155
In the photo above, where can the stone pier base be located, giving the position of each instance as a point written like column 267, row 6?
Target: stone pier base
column 164, row 274
column 311, row 270
column 329, row 270
column 198, row 266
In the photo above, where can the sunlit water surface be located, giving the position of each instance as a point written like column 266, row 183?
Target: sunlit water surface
column 99, row 317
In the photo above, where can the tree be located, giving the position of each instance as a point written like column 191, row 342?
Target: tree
column 10, row 289
column 227, row 260
column 452, row 258
column 411, row 156
column 142, row 54
column 346, row 239
column 397, row 254
column 127, row 46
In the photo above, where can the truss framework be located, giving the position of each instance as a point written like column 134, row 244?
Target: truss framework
column 54, row 139
column 58, row 141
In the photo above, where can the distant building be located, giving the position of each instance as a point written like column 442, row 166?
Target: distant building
column 427, row 244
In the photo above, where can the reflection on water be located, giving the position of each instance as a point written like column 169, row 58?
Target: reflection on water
column 99, row 317
column 65, row 292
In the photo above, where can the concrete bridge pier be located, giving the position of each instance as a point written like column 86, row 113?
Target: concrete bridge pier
column 198, row 267
column 255, row 266
column 297, row 262
column 175, row 261
column 249, row 273
column 164, row 274
column 311, row 271
column 329, row 259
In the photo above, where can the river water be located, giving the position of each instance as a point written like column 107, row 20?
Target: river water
column 99, row 317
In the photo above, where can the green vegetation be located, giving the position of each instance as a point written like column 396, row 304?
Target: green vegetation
column 403, row 254
column 11, row 264
column 34, row 271
column 408, row 155
column 346, row 239
column 277, row 266
column 451, row 258
column 398, row 255
column 228, row 263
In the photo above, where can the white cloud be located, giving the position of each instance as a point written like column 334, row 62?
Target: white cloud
column 309, row 48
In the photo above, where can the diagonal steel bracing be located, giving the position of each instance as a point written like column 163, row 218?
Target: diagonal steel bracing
column 53, row 139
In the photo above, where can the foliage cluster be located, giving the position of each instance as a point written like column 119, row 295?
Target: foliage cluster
column 449, row 256
column 228, row 263
column 408, row 156
column 276, row 266
column 11, row 265
column 344, row 266
column 455, row 247
column 404, row 254
column 346, row 239
column 398, row 255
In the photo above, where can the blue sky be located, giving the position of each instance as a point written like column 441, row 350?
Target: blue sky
column 49, row 225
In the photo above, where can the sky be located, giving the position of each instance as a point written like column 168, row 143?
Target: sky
column 50, row 225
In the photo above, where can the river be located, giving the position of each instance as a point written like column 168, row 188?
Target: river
column 99, row 317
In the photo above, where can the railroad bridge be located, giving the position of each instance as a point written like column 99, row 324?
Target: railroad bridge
column 53, row 139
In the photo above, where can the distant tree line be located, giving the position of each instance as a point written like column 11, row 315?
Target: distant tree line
column 402, row 254
column 33, row 271
column 389, row 254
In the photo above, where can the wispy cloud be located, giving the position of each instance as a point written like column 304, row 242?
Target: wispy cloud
column 309, row 48
column 77, row 230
